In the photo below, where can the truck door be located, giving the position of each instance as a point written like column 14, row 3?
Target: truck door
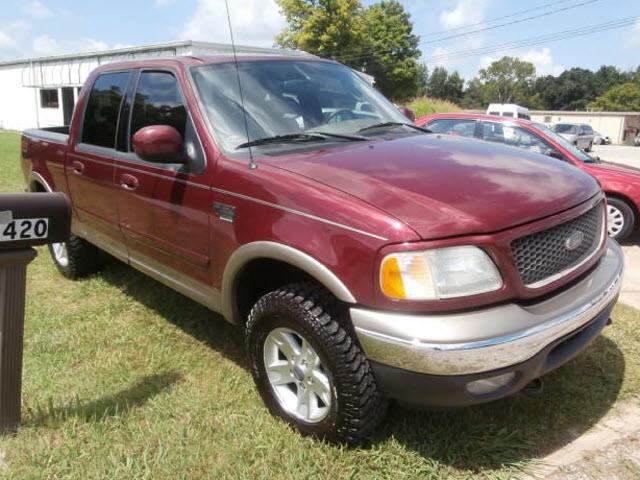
column 89, row 164
column 164, row 209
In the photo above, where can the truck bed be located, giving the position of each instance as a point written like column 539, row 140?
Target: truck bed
column 54, row 134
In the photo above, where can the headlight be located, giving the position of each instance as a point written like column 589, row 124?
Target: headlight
column 438, row 273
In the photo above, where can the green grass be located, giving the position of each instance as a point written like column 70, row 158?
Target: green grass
column 124, row 378
column 428, row 105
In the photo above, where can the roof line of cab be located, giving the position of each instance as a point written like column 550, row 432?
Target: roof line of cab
column 192, row 60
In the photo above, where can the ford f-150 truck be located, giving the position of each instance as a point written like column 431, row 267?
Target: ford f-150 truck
column 364, row 257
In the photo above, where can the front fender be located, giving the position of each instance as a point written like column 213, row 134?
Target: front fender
column 276, row 251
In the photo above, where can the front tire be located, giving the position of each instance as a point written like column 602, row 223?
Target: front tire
column 75, row 258
column 620, row 219
column 309, row 368
column 588, row 149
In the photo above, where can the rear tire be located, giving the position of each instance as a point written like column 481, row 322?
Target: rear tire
column 620, row 219
column 75, row 258
column 283, row 325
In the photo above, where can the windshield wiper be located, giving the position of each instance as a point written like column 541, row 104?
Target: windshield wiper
column 344, row 136
column 292, row 137
column 300, row 137
column 394, row 124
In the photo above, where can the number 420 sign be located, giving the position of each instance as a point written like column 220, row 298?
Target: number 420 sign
column 22, row 228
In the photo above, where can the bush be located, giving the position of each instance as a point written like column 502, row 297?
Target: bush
column 427, row 105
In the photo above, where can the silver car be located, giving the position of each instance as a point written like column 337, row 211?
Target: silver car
column 581, row 135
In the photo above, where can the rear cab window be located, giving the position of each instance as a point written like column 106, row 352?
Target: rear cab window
column 103, row 109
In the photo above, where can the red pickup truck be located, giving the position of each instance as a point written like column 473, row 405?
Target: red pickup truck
column 364, row 257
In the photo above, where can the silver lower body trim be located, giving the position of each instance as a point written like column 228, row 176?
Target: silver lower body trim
column 491, row 338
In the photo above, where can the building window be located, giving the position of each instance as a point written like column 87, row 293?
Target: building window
column 49, row 98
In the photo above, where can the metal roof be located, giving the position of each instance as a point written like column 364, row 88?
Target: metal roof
column 221, row 47
column 585, row 113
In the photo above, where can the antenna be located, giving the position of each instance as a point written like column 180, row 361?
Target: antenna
column 252, row 164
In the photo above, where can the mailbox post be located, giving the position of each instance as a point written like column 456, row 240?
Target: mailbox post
column 26, row 220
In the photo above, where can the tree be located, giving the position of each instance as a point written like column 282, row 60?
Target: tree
column 442, row 84
column 604, row 78
column 474, row 95
column 623, row 97
column 392, row 49
column 548, row 91
column 423, row 78
column 323, row 27
column 378, row 39
column 508, row 80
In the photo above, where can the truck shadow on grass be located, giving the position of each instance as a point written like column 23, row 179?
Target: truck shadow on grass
column 504, row 433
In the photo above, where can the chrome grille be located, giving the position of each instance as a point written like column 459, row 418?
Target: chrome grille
column 542, row 256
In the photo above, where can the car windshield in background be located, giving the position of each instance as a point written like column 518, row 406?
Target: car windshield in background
column 564, row 128
column 285, row 99
column 566, row 144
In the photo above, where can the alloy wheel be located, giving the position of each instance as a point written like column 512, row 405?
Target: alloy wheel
column 295, row 372
column 60, row 253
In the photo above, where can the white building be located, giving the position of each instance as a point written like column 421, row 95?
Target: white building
column 41, row 92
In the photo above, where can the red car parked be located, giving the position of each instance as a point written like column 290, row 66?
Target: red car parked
column 364, row 258
column 620, row 183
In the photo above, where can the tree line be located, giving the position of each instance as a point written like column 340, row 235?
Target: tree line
column 510, row 80
column 379, row 40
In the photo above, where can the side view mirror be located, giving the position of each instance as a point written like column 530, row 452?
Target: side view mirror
column 554, row 153
column 409, row 113
column 158, row 144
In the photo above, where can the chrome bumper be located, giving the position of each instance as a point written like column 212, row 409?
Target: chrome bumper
column 488, row 339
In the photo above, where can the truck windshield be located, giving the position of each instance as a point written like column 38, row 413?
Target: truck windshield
column 286, row 98
column 566, row 144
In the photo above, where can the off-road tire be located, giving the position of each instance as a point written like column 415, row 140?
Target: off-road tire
column 356, row 406
column 82, row 258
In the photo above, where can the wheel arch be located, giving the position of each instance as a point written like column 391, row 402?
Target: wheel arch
column 38, row 182
column 284, row 264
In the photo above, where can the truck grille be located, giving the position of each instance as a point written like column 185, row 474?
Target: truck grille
column 544, row 256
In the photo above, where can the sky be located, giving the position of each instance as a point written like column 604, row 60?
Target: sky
column 30, row 28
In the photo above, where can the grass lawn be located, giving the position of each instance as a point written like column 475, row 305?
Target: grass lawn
column 123, row 378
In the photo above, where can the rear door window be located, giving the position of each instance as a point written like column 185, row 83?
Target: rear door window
column 158, row 102
column 464, row 127
column 103, row 109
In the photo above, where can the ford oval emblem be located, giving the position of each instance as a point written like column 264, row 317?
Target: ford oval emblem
column 574, row 240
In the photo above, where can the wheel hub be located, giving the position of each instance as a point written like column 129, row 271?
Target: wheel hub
column 615, row 221
column 301, row 384
column 60, row 253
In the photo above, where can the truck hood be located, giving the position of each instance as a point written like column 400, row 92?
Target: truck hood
column 441, row 185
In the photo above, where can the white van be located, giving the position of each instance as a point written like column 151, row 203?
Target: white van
column 508, row 110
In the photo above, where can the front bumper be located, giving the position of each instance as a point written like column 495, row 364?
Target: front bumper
column 448, row 351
